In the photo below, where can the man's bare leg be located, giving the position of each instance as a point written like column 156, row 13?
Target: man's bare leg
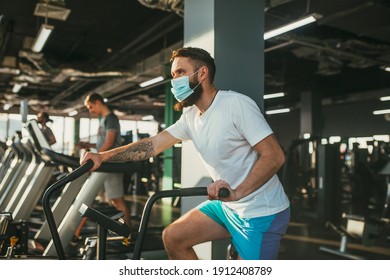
column 191, row 229
column 120, row 205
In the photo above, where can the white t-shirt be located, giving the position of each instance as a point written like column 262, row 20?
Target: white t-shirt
column 224, row 136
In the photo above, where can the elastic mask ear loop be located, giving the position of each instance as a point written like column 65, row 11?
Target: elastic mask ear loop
column 195, row 72
column 200, row 81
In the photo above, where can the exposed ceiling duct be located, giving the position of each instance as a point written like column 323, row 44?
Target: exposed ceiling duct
column 55, row 10
column 176, row 6
column 114, row 47
column 333, row 54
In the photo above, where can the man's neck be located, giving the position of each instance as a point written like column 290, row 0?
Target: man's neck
column 105, row 111
column 206, row 99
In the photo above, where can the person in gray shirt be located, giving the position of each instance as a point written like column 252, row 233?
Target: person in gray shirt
column 108, row 137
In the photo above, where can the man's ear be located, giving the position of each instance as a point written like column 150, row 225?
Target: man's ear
column 204, row 71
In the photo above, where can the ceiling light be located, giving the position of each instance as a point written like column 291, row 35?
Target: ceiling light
column 18, row 86
column 151, row 81
column 383, row 137
column 292, row 25
column 10, row 71
column 381, row 112
column 42, row 37
column 277, row 111
column 147, row 118
column 158, row 104
column 387, row 68
column 334, row 139
column 385, row 98
column 7, row 106
column 274, row 95
column 306, row 135
column 73, row 113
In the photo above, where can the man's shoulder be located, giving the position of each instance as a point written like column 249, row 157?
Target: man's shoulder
column 111, row 117
column 111, row 120
column 192, row 110
column 233, row 96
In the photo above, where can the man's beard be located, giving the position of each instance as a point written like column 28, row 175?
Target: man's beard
column 192, row 99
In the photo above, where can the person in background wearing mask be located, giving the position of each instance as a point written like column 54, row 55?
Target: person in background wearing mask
column 241, row 154
column 43, row 119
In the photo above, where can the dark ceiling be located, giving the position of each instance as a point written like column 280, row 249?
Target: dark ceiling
column 111, row 46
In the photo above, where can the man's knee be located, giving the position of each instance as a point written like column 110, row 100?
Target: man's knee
column 167, row 235
column 171, row 236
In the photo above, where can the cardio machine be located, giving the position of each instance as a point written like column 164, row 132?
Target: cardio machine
column 105, row 223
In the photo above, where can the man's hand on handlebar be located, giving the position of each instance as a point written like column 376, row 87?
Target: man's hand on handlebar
column 96, row 158
column 213, row 190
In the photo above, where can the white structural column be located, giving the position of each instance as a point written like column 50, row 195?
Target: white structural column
column 232, row 31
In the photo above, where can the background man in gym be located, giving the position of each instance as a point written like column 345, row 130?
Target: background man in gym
column 43, row 118
column 240, row 152
column 108, row 137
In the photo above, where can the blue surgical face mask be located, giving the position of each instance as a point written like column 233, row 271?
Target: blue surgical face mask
column 181, row 87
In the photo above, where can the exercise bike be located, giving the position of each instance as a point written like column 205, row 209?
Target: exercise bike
column 105, row 223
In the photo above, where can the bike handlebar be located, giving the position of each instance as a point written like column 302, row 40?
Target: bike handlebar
column 223, row 193
column 195, row 191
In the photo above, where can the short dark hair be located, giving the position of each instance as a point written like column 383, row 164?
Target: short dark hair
column 200, row 58
column 93, row 97
column 45, row 116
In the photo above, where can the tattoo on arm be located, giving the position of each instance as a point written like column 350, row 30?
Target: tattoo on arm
column 139, row 151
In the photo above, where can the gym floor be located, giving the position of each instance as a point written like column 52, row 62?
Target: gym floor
column 302, row 241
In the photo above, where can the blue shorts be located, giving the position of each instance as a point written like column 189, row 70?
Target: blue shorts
column 254, row 238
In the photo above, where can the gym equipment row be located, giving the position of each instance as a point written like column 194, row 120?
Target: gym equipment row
column 29, row 166
column 25, row 175
column 344, row 190
column 364, row 228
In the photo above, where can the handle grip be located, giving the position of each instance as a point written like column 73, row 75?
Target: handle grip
column 223, row 193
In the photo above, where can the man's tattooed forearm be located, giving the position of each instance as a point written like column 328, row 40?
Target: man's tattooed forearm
column 139, row 151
